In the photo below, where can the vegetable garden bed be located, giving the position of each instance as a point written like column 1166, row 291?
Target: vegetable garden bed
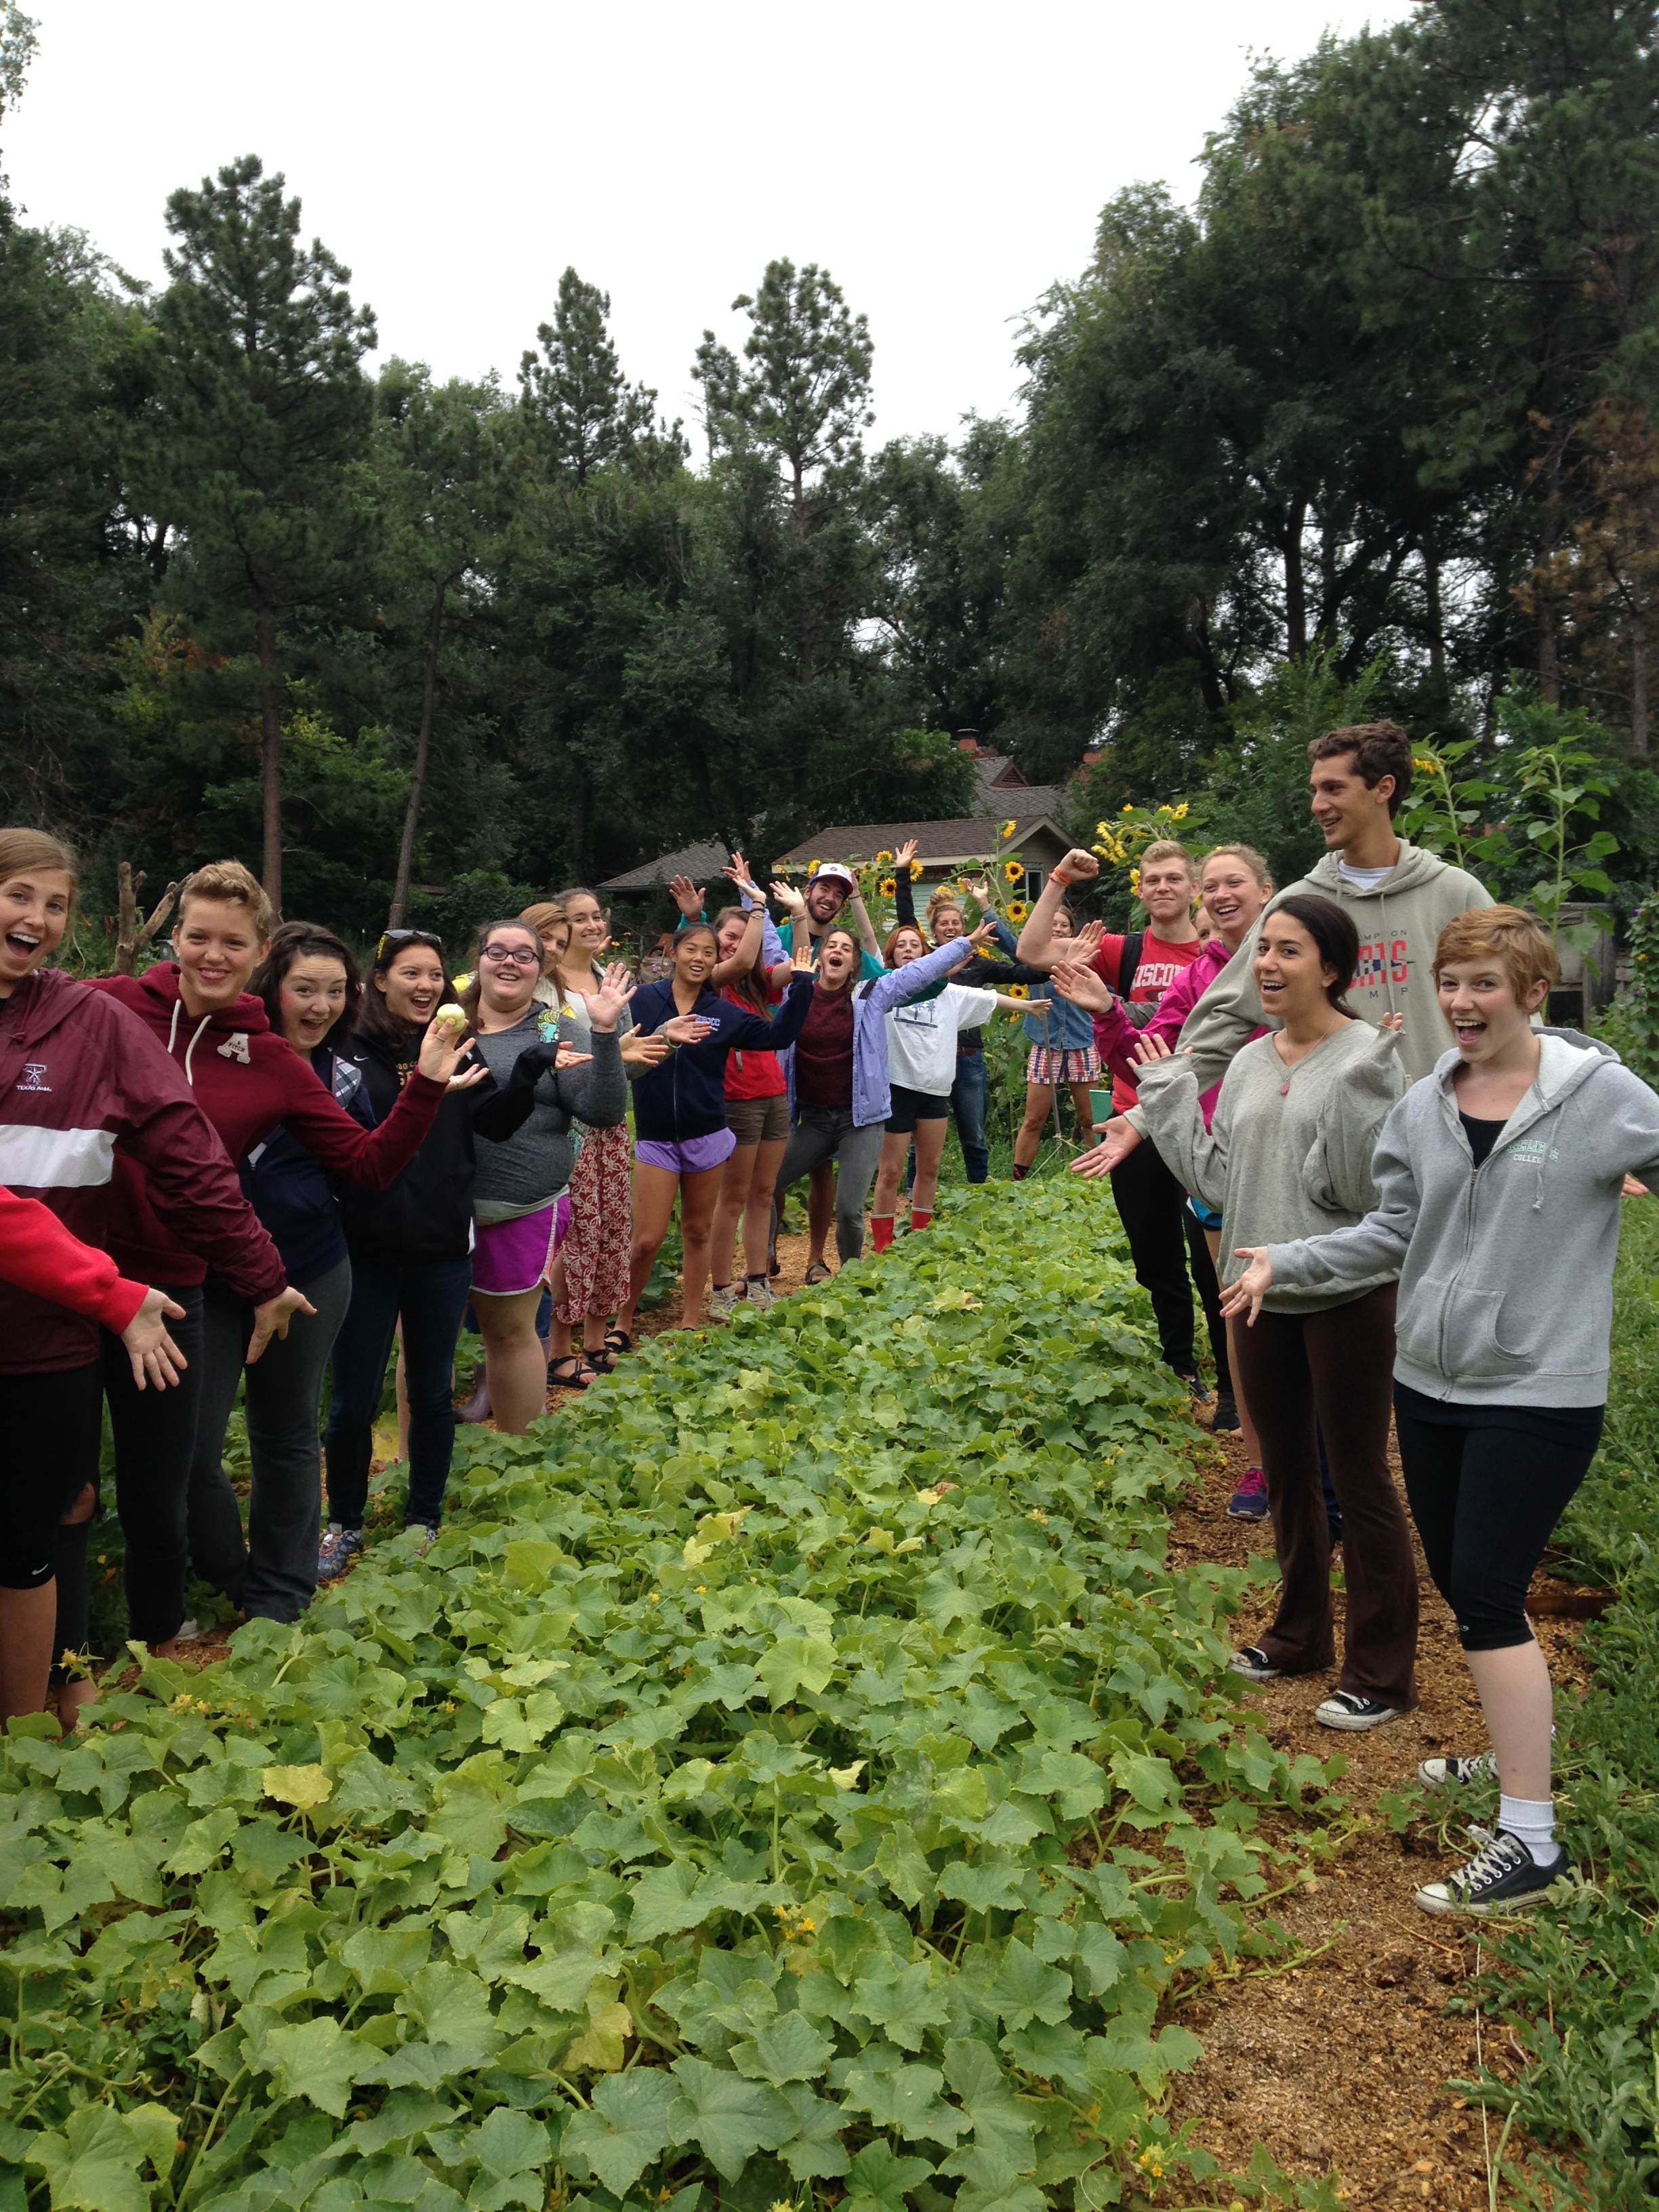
column 794, row 1774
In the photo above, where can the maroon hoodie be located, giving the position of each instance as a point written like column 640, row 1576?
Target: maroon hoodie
column 248, row 1082
column 83, row 1086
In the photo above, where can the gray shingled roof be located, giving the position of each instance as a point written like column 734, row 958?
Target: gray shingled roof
column 697, row 861
column 938, row 844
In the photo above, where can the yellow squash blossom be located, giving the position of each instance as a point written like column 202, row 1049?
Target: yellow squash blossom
column 1012, row 869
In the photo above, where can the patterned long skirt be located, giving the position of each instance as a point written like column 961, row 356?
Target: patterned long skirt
column 596, row 1251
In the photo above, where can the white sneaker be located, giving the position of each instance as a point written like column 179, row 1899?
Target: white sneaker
column 724, row 1301
column 1453, row 1774
column 189, row 1631
column 761, row 1296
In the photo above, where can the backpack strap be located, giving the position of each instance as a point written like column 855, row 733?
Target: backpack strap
column 1129, row 962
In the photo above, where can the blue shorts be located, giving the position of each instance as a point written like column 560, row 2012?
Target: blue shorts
column 1206, row 1216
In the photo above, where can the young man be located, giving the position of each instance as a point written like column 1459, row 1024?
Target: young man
column 1164, row 1237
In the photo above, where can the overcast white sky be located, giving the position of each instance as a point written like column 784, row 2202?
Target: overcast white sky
column 945, row 160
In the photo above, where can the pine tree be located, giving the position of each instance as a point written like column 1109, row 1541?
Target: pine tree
column 586, row 415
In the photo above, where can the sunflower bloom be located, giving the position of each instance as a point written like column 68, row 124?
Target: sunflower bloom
column 1018, row 911
column 1008, row 828
column 915, row 872
column 1020, row 991
column 1013, row 870
column 883, row 859
column 888, row 886
column 1128, row 808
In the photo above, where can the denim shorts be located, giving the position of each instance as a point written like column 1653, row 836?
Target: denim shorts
column 694, row 1156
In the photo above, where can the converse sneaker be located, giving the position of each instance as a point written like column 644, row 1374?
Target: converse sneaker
column 339, row 1547
column 723, row 1301
column 1345, row 1708
column 1503, row 1876
column 1254, row 1664
column 1250, row 1501
column 1454, row 1773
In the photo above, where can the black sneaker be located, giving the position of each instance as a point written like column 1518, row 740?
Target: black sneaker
column 1254, row 1664
column 1190, row 1376
column 1503, row 1876
column 1346, row 1708
column 1455, row 1773
column 1225, row 1422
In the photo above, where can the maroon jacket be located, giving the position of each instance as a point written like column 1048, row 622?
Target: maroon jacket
column 249, row 1082
column 83, row 1084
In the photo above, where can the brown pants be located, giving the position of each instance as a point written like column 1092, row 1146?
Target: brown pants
column 1336, row 1365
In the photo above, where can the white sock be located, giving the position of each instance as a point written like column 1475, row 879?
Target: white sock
column 1533, row 1819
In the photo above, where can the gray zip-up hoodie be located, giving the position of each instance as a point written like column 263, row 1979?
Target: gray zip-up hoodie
column 1289, row 1149
column 1506, row 1269
column 530, row 1170
column 1399, row 923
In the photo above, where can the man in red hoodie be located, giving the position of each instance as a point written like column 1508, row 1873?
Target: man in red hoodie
column 81, row 1084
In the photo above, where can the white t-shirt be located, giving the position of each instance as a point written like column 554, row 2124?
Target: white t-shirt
column 1363, row 879
column 921, row 1038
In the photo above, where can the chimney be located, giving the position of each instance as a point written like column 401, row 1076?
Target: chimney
column 967, row 742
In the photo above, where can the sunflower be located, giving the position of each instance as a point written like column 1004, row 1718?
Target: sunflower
column 1181, row 812
column 1018, row 911
column 1019, row 990
column 915, row 872
column 888, row 886
column 1128, row 808
column 963, row 885
column 813, row 866
column 1008, row 828
column 1013, row 870
column 883, row 859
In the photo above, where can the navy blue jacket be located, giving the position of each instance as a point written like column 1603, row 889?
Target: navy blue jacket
column 685, row 1097
column 294, row 1193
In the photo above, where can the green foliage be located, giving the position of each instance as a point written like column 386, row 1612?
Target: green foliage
column 1632, row 1023
column 796, row 1766
column 1582, row 1985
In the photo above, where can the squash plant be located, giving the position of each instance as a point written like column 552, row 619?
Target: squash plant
column 794, row 1774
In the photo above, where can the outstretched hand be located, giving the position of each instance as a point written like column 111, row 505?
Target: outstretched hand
column 792, row 900
column 687, row 895
column 1245, row 1296
column 803, row 959
column 442, row 1053
column 604, row 1006
column 1080, row 985
column 155, row 1357
column 905, row 854
column 272, row 1317
column 685, row 1029
column 1114, row 1147
column 1085, row 943
column 1149, row 1047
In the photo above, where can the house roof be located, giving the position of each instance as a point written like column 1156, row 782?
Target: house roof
column 938, row 844
column 697, row 861
column 1002, row 782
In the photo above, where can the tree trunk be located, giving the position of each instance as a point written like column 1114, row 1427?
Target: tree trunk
column 1638, row 685
column 423, row 748
column 270, row 749
column 1437, row 618
column 131, row 939
column 1295, row 586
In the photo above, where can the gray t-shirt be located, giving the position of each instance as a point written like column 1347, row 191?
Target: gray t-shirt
column 531, row 1167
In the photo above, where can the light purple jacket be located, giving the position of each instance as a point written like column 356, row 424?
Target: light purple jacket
column 872, row 1096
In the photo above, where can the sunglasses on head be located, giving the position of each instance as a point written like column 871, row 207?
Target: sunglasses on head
column 392, row 938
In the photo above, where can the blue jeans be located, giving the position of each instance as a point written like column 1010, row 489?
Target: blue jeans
column 429, row 1296
column 967, row 1103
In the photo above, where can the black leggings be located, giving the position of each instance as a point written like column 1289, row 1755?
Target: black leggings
column 1163, row 1238
column 54, row 1423
column 1486, row 1499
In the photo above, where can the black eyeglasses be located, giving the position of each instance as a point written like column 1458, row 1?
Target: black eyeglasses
column 393, row 937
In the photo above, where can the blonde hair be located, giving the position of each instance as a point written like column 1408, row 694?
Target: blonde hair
column 1166, row 848
column 545, row 911
column 26, row 852
column 233, row 884
column 1252, row 859
column 1517, row 942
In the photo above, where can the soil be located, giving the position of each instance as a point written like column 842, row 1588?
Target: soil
column 1341, row 2065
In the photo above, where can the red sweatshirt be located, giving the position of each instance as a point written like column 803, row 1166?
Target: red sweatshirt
column 248, row 1082
column 38, row 1253
column 83, row 1084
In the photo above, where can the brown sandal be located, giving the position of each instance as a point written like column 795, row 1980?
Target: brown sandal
column 583, row 1372
column 818, row 1272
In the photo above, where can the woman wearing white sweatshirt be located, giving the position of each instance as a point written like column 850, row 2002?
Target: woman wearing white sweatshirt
column 1499, row 1179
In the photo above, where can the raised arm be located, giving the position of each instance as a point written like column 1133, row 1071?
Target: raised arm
column 896, row 986
column 1076, row 867
column 904, row 901
column 1174, row 1111
column 744, row 959
column 865, row 928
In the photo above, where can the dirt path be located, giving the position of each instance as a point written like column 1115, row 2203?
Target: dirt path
column 1343, row 2063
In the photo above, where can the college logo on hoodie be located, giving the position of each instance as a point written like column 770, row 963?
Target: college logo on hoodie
column 33, row 1077
column 235, row 1048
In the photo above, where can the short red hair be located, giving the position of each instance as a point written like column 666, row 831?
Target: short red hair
column 1517, row 942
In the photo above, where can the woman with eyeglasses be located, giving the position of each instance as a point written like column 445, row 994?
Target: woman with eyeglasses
column 522, row 1204
column 410, row 1244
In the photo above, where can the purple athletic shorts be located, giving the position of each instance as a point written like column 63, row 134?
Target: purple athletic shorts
column 694, row 1156
column 512, row 1257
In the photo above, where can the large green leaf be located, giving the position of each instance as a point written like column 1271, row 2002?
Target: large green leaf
column 628, row 2126
column 727, row 2115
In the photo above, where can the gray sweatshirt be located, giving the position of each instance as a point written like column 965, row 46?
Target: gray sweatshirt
column 1399, row 923
column 1506, row 1269
column 531, row 1169
column 1288, row 1153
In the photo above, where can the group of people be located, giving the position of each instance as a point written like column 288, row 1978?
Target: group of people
column 1336, row 1118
